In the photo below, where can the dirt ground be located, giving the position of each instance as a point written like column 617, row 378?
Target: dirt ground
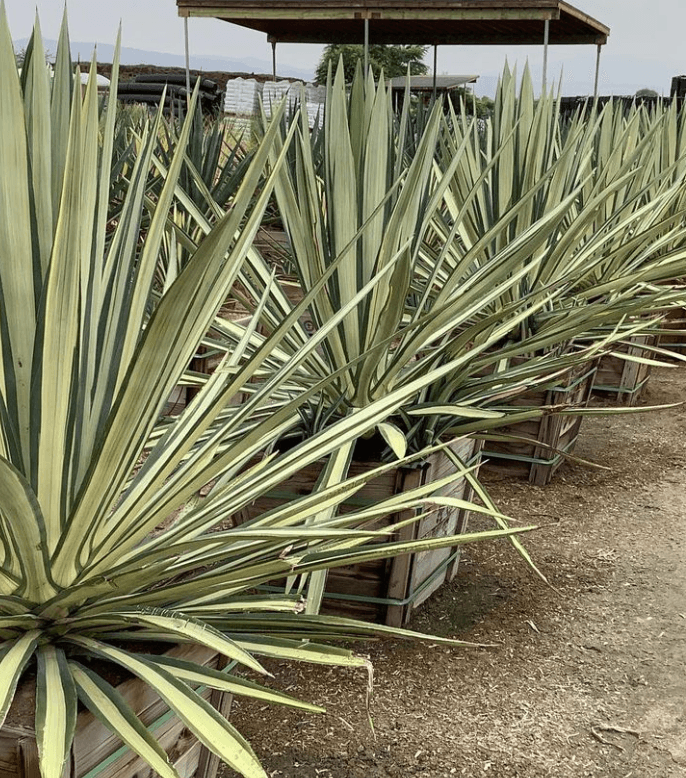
column 587, row 679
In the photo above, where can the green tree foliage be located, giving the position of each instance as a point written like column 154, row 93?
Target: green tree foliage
column 393, row 60
column 477, row 106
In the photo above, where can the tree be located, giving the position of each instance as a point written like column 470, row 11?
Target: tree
column 479, row 106
column 20, row 56
column 393, row 60
column 646, row 93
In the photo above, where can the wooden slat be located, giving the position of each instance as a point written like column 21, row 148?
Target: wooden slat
column 463, row 517
column 188, row 765
column 29, row 763
column 399, row 574
column 9, row 756
column 622, row 377
column 674, row 341
column 199, row 761
column 549, row 435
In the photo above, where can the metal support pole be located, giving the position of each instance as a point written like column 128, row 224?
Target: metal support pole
column 597, row 72
column 366, row 46
column 546, row 36
column 435, row 60
column 188, row 59
column 274, row 60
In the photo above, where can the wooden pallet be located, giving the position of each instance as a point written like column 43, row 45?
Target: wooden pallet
column 96, row 752
column 541, row 444
column 388, row 590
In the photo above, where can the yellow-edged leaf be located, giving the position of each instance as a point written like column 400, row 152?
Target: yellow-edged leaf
column 215, row 679
column 199, row 716
column 394, row 437
column 12, row 665
column 107, row 705
column 56, row 708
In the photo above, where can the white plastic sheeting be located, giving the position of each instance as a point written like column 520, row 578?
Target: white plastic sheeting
column 242, row 97
column 316, row 97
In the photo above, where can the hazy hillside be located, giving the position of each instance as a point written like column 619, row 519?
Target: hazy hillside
column 204, row 64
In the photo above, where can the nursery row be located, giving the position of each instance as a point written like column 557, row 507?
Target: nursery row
column 436, row 272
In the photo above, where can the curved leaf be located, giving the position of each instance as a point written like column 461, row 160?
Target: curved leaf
column 109, row 707
column 12, row 665
column 199, row 716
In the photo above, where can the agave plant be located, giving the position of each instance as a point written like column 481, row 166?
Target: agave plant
column 470, row 258
column 366, row 211
column 357, row 213
column 620, row 239
column 214, row 167
column 112, row 528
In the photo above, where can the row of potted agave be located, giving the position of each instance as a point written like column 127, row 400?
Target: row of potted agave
column 113, row 524
column 121, row 531
column 419, row 294
column 378, row 591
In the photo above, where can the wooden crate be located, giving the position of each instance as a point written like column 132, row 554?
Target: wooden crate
column 388, row 590
column 550, row 436
column 274, row 246
column 622, row 378
column 673, row 337
column 96, row 752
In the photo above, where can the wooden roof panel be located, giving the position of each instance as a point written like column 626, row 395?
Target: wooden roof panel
column 465, row 22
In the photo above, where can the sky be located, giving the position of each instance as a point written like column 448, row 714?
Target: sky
column 645, row 48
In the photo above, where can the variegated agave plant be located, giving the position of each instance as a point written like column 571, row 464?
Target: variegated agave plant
column 453, row 269
column 356, row 212
column 619, row 180
column 105, row 534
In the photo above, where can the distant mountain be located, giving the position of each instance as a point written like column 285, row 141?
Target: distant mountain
column 84, row 51
column 617, row 76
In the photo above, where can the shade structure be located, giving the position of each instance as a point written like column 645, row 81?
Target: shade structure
column 429, row 83
column 427, row 22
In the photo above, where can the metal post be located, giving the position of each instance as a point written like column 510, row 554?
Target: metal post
column 366, row 46
column 546, row 35
column 597, row 72
column 274, row 60
column 435, row 59
column 188, row 60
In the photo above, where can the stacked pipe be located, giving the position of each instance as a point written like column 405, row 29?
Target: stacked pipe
column 149, row 88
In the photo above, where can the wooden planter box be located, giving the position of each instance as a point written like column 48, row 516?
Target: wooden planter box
column 674, row 341
column 622, row 378
column 388, row 590
column 551, row 436
column 273, row 245
column 96, row 752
